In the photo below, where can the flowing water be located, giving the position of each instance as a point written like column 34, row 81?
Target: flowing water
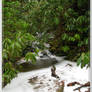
column 66, row 70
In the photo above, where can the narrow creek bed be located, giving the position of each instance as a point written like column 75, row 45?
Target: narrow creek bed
column 42, row 81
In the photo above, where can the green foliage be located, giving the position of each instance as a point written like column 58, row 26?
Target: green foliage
column 15, row 37
column 28, row 21
column 64, row 36
column 77, row 28
column 73, row 37
column 56, row 20
column 9, row 72
column 84, row 60
column 43, row 17
column 77, row 36
column 31, row 56
column 13, row 48
column 65, row 48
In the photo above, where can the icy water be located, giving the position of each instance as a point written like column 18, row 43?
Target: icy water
column 66, row 70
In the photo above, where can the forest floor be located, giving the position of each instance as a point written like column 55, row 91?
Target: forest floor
column 42, row 81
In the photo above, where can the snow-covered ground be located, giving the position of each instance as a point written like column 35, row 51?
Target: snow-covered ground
column 46, row 83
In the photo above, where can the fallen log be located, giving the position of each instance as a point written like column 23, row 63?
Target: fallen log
column 84, row 85
column 73, row 83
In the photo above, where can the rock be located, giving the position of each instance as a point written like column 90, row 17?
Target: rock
column 69, row 65
column 41, row 82
column 43, row 60
column 44, row 53
column 37, row 87
column 40, row 63
column 61, row 87
column 53, row 73
column 33, row 80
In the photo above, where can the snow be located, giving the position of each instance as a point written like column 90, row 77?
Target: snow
column 47, row 83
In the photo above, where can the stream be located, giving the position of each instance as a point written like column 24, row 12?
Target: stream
column 37, row 77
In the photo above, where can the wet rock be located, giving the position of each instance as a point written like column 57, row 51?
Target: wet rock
column 61, row 87
column 33, row 80
column 69, row 65
column 49, row 88
column 37, row 87
column 41, row 82
column 41, row 63
column 44, row 53
column 53, row 73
